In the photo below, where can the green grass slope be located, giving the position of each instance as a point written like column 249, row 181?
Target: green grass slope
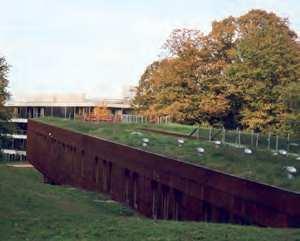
column 262, row 166
column 33, row 211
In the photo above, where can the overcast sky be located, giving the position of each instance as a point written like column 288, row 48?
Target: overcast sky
column 97, row 47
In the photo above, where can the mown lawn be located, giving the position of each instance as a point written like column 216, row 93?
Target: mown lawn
column 33, row 211
column 262, row 166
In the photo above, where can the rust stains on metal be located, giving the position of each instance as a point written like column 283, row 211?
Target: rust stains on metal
column 157, row 186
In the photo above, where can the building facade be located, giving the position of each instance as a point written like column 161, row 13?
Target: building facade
column 68, row 106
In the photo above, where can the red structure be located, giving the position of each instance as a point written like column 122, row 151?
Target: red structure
column 154, row 185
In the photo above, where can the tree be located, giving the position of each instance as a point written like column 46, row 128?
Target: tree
column 218, row 101
column 184, row 84
column 292, row 100
column 267, row 61
column 4, row 68
column 168, row 87
column 238, row 75
column 5, row 127
column 144, row 98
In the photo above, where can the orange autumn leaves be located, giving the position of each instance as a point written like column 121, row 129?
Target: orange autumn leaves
column 228, row 77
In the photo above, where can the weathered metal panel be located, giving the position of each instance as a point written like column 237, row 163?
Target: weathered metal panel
column 157, row 186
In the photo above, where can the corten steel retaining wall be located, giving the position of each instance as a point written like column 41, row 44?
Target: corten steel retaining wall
column 157, row 186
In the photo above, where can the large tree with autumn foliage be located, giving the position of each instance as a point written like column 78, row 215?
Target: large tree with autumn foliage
column 267, row 62
column 241, row 74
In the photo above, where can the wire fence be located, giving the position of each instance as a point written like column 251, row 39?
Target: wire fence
column 240, row 138
column 235, row 138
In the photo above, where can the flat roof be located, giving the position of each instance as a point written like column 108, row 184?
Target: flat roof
column 65, row 104
column 65, row 100
column 48, row 104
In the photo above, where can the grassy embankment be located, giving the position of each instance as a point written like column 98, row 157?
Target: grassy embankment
column 33, row 211
column 262, row 166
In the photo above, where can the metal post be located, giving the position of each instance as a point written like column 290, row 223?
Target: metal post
column 209, row 135
column 224, row 133
column 269, row 141
column 252, row 134
column 276, row 143
column 257, row 137
column 288, row 142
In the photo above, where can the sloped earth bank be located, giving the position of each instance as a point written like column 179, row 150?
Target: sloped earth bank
column 31, row 210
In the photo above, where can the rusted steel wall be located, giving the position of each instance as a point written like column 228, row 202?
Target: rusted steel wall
column 157, row 186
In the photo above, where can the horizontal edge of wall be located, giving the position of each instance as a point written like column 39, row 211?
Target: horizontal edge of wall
column 269, row 196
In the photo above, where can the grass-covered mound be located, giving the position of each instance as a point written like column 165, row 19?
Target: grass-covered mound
column 31, row 210
column 261, row 166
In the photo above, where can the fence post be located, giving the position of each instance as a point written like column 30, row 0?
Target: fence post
column 252, row 134
column 239, row 138
column 288, row 142
column 269, row 140
column 257, row 137
column 209, row 134
column 276, row 147
column 224, row 133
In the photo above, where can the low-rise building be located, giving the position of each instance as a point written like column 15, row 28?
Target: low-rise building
column 57, row 105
